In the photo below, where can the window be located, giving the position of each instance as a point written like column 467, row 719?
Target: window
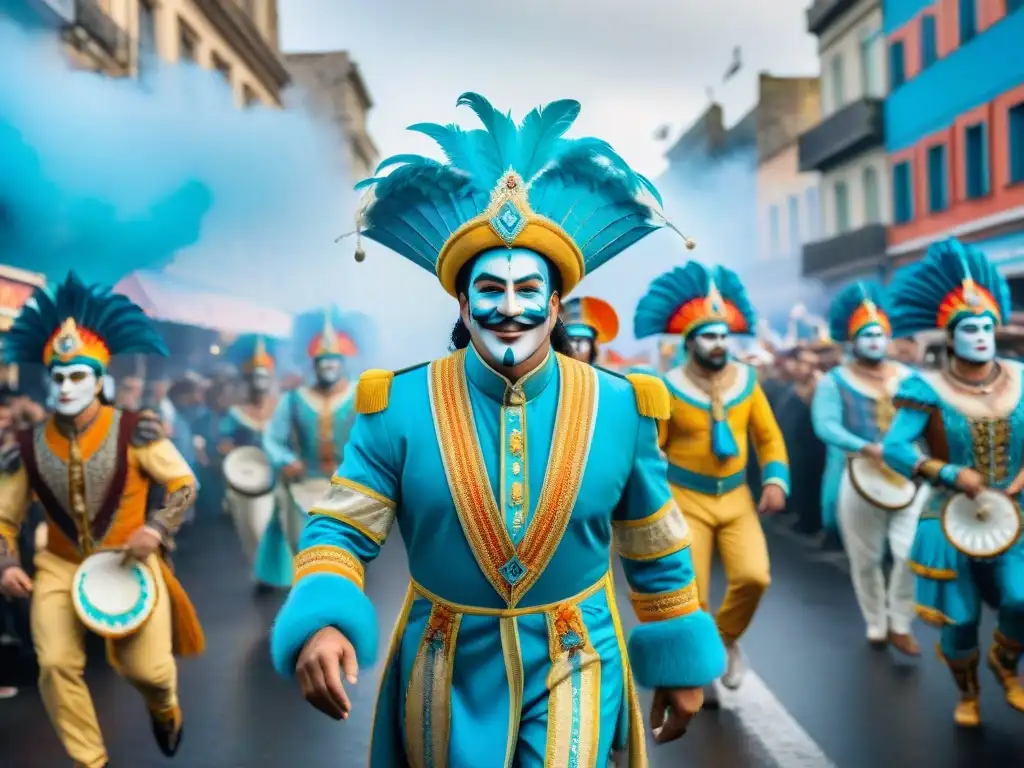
column 902, row 193
column 837, row 84
column 968, row 21
column 870, row 57
column 897, row 71
column 938, row 199
column 774, row 234
column 929, row 43
column 976, row 160
column 222, row 66
column 794, row 224
column 872, row 204
column 842, row 201
column 1016, row 125
column 188, row 42
column 813, row 215
column 147, row 30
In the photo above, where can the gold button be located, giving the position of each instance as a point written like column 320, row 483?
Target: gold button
column 516, row 468
column 515, row 443
column 517, row 493
column 516, row 397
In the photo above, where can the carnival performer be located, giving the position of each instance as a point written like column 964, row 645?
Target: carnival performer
column 510, row 469
column 260, row 530
column 969, row 413
column 91, row 466
column 851, row 412
column 589, row 323
column 715, row 402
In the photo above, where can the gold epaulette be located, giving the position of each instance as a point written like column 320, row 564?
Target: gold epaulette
column 652, row 398
column 373, row 392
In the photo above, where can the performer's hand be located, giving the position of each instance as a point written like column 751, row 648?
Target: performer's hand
column 224, row 447
column 294, row 471
column 672, row 711
column 1017, row 485
column 970, row 482
column 15, row 582
column 142, row 543
column 872, row 451
column 324, row 657
column 773, row 500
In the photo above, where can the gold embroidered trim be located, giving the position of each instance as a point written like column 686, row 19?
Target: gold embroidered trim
column 363, row 508
column 512, row 652
column 574, row 685
column 635, row 745
column 481, row 520
column 932, row 617
column 329, row 559
column 428, row 695
column 929, row 468
column 658, row 535
column 666, row 605
column 937, row 574
column 507, row 613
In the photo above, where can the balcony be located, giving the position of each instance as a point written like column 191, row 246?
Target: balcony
column 861, row 250
column 853, row 129
column 94, row 31
column 242, row 34
column 824, row 13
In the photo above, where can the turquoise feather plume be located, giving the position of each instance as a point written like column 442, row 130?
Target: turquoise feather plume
column 848, row 301
column 671, row 290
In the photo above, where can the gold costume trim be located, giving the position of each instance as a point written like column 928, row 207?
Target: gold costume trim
column 397, row 632
column 666, row 605
column 658, row 535
column 574, row 685
column 937, row 574
column 482, row 521
column 512, row 652
column 508, row 613
column 932, row 617
column 929, row 469
column 363, row 508
column 636, row 743
column 329, row 559
column 428, row 696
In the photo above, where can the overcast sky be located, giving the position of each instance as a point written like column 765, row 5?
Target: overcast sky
column 634, row 64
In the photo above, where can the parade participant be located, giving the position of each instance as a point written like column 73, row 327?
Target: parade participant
column 257, row 520
column 851, row 412
column 715, row 402
column 589, row 323
column 91, row 467
column 969, row 413
column 509, row 469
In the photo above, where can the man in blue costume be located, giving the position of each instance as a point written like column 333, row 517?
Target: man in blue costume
column 589, row 324
column 510, row 470
column 852, row 410
column 969, row 413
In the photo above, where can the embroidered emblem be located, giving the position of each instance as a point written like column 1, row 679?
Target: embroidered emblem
column 68, row 341
column 513, row 571
column 515, row 443
column 517, row 493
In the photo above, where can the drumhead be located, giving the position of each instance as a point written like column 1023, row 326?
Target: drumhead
column 880, row 485
column 983, row 527
column 247, row 471
column 111, row 599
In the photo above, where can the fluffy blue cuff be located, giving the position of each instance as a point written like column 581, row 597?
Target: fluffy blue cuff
column 318, row 601
column 685, row 652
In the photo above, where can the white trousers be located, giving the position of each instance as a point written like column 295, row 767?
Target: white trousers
column 866, row 529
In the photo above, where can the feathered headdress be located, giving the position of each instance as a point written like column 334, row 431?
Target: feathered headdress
column 591, row 318
column 252, row 351
column 80, row 324
column 688, row 297
column 330, row 333
column 855, row 308
column 574, row 201
column 951, row 282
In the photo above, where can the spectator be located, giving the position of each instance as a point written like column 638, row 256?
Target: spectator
column 129, row 393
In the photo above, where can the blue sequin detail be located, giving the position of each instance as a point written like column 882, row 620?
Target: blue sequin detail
column 514, row 570
column 509, row 222
column 571, row 641
column 116, row 620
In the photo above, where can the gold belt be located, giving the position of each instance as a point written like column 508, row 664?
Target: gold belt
column 503, row 613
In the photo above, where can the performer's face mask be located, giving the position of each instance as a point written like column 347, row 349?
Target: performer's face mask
column 974, row 339
column 328, row 370
column 710, row 346
column 582, row 344
column 871, row 344
column 509, row 306
column 73, row 388
column 259, row 380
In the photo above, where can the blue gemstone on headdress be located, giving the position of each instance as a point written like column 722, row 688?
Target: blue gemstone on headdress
column 65, row 345
column 513, row 570
column 508, row 223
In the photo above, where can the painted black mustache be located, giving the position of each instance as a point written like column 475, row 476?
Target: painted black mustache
column 493, row 320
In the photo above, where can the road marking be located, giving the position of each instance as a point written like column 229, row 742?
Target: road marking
column 767, row 722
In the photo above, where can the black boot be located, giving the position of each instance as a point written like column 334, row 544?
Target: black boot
column 167, row 730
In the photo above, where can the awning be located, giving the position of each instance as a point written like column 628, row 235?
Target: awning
column 173, row 300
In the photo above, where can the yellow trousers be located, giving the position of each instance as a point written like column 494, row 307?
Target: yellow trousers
column 145, row 659
column 728, row 523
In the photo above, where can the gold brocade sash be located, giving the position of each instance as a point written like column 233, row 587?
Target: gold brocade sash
column 512, row 570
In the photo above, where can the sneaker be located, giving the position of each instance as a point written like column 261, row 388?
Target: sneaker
column 736, row 669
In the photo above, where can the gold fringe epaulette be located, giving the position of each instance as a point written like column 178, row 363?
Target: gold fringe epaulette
column 652, row 398
column 373, row 392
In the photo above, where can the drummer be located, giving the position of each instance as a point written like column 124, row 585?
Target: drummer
column 851, row 411
column 970, row 414
column 74, row 330
column 244, row 425
column 589, row 323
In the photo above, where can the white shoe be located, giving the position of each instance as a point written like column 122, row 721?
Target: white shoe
column 736, row 669
column 878, row 635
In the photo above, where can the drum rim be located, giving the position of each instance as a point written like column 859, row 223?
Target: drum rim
column 987, row 555
column 104, row 632
column 239, row 491
column 867, row 497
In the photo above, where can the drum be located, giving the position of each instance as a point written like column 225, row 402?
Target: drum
column 879, row 485
column 985, row 526
column 303, row 496
column 248, row 472
column 112, row 599
column 250, row 495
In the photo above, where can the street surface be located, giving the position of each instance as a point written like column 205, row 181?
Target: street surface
column 816, row 697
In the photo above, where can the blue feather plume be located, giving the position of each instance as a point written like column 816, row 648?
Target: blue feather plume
column 671, row 290
column 848, row 301
column 121, row 324
column 918, row 290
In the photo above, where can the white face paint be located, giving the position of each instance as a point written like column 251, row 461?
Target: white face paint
column 871, row 344
column 509, row 305
column 974, row 339
column 72, row 388
column 259, row 380
column 710, row 345
column 328, row 370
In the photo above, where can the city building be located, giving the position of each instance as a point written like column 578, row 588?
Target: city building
column 847, row 147
column 16, row 287
column 955, row 127
column 335, row 92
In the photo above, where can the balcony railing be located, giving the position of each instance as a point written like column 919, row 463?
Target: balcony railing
column 823, row 13
column 93, row 27
column 853, row 129
column 852, row 251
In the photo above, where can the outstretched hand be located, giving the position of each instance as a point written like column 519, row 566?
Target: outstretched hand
column 672, row 711
column 323, row 659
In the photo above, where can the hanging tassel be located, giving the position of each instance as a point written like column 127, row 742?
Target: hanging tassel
column 723, row 442
column 189, row 639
